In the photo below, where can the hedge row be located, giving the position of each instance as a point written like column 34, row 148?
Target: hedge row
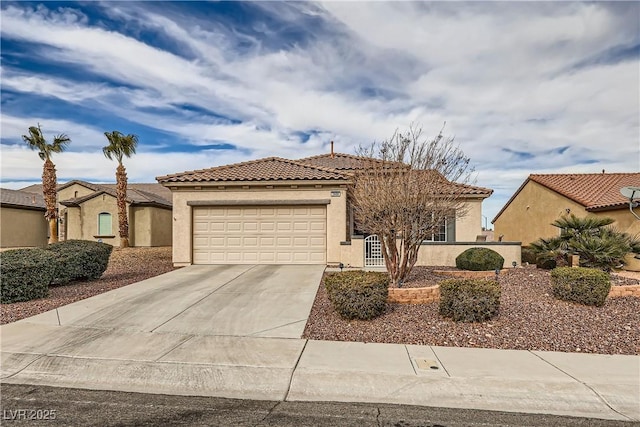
column 27, row 273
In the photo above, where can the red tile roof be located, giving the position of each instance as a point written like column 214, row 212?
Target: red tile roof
column 341, row 161
column 594, row 191
column 267, row 169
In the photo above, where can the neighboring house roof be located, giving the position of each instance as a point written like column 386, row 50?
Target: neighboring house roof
column 347, row 162
column 594, row 191
column 134, row 197
column 267, row 169
column 22, row 199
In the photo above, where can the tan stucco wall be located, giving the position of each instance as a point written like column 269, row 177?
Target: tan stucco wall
column 183, row 223
column 352, row 254
column 89, row 219
column 435, row 254
column 21, row 228
column 443, row 254
column 469, row 226
column 150, row 226
column 70, row 192
column 161, row 222
column 529, row 216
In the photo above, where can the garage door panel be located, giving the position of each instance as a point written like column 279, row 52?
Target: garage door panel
column 264, row 235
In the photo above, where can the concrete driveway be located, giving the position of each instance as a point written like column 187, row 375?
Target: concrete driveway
column 239, row 300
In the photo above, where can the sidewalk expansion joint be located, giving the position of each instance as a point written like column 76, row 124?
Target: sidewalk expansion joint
column 293, row 371
column 440, row 361
column 203, row 298
column 275, row 327
column 174, row 347
column 58, row 316
column 598, row 395
column 410, row 361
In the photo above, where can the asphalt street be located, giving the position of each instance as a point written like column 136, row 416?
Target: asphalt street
column 28, row 405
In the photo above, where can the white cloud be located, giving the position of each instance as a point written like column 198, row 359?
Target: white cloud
column 501, row 75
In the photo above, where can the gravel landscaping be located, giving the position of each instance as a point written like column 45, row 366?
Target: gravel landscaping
column 530, row 319
column 126, row 266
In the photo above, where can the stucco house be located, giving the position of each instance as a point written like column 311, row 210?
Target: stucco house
column 279, row 211
column 89, row 211
column 22, row 222
column 543, row 198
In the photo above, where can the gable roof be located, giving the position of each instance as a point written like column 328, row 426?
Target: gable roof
column 22, row 199
column 345, row 162
column 136, row 195
column 267, row 169
column 594, row 191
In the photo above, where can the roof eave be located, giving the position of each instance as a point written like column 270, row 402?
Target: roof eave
column 259, row 183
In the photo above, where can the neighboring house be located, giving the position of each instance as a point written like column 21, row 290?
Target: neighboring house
column 22, row 222
column 279, row 211
column 89, row 211
column 542, row 199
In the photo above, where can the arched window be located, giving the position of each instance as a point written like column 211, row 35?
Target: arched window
column 104, row 224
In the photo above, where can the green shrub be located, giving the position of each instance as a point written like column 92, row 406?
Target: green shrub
column 358, row 294
column 479, row 259
column 469, row 300
column 528, row 255
column 80, row 260
column 25, row 274
column 586, row 286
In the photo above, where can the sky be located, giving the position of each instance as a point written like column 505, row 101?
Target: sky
column 524, row 87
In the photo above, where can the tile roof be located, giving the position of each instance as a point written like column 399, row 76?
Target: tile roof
column 341, row 161
column 594, row 191
column 137, row 193
column 23, row 199
column 267, row 169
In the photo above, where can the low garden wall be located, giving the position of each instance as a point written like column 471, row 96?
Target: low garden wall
column 432, row 293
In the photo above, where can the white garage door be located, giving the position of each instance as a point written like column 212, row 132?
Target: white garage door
column 260, row 235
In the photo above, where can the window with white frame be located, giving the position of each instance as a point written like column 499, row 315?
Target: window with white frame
column 104, row 224
column 440, row 232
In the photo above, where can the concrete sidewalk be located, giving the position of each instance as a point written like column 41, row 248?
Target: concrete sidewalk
column 98, row 344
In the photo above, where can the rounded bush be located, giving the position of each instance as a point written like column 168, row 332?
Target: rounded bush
column 26, row 274
column 588, row 286
column 469, row 300
column 479, row 259
column 80, row 259
column 358, row 294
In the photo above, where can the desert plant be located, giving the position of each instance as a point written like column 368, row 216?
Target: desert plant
column 598, row 244
column 26, row 274
column 80, row 260
column 36, row 141
column 586, row 286
column 121, row 146
column 469, row 300
column 479, row 259
column 528, row 255
column 358, row 294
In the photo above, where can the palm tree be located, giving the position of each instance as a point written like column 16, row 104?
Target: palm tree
column 121, row 146
column 35, row 140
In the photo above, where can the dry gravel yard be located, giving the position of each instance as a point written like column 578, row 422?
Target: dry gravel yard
column 530, row 319
column 126, row 266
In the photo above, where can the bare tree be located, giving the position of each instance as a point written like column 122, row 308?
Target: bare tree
column 413, row 184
